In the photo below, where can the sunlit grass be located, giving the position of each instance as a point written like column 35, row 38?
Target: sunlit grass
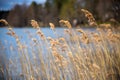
column 78, row 55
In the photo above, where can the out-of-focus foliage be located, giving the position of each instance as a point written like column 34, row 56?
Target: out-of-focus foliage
column 54, row 10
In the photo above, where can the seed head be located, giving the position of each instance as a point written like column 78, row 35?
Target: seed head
column 61, row 39
column 96, row 66
column 34, row 39
column 80, row 30
column 105, row 25
column 39, row 32
column 91, row 19
column 65, row 23
column 34, row 24
column 4, row 21
column 52, row 26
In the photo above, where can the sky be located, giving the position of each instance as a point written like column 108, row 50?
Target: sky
column 8, row 4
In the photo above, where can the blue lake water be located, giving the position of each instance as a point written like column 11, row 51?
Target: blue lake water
column 25, row 35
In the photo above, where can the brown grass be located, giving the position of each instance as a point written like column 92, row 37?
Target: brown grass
column 78, row 55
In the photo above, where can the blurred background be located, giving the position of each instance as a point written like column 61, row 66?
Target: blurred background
column 19, row 12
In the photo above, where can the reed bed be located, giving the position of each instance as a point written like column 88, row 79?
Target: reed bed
column 78, row 55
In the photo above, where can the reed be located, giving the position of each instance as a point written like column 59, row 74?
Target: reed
column 77, row 55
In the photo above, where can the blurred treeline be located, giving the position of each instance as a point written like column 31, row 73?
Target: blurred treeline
column 54, row 10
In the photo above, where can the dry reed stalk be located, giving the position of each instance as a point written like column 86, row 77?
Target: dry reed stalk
column 65, row 23
column 95, row 66
column 39, row 32
column 96, row 37
column 112, row 36
column 21, row 54
column 34, row 24
column 105, row 25
column 62, row 39
column 52, row 26
column 68, row 32
column 34, row 39
column 85, row 38
column 91, row 19
column 80, row 30
column 4, row 21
